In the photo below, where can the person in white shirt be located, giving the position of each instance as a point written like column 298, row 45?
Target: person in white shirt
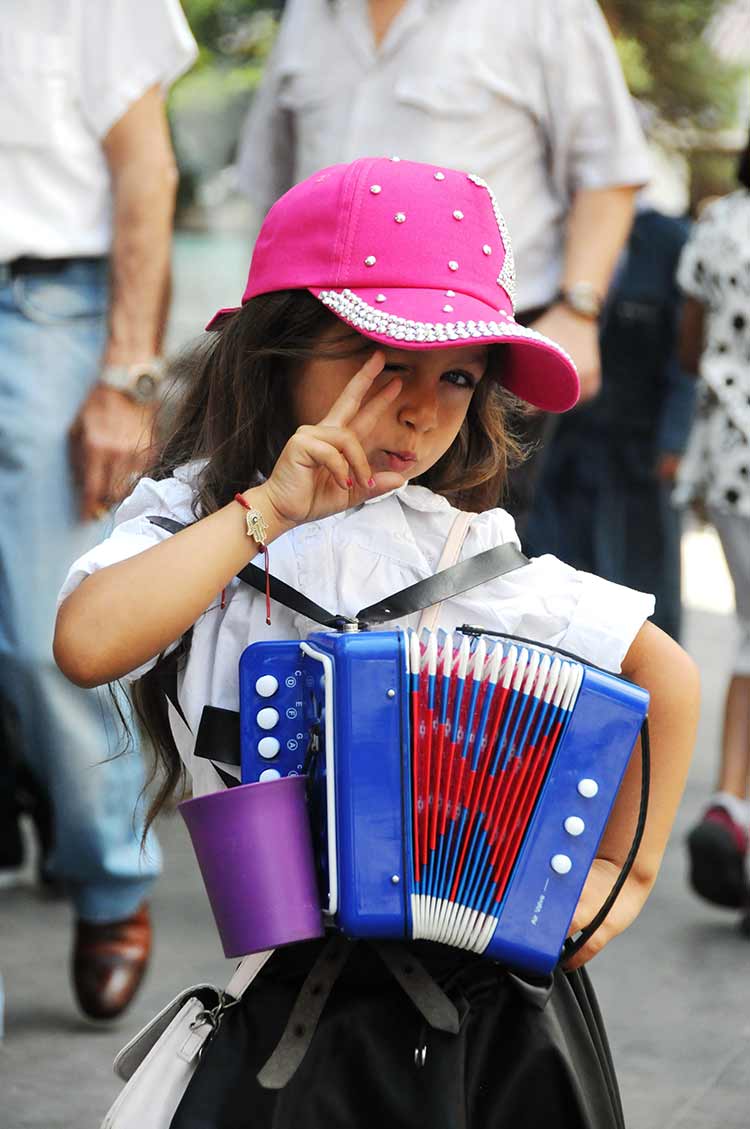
column 87, row 188
column 339, row 417
column 530, row 96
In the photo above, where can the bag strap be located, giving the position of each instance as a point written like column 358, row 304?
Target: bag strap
column 245, row 973
column 435, row 589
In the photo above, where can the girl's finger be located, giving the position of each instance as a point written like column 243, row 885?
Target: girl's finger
column 317, row 454
column 347, row 443
column 370, row 413
column 343, row 411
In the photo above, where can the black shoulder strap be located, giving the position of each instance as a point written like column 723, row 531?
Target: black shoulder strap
column 443, row 585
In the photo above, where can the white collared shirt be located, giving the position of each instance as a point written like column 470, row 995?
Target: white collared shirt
column 351, row 560
column 529, row 95
column 69, row 70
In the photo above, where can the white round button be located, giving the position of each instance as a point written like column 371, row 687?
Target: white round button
column 269, row 774
column 588, row 788
column 266, row 685
column 574, row 825
column 267, row 718
column 268, row 747
column 561, row 864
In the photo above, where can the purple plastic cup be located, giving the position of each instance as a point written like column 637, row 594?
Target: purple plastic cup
column 254, row 849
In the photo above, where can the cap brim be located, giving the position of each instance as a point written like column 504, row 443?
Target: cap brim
column 537, row 370
column 221, row 316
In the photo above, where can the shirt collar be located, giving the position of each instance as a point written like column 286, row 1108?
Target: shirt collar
column 415, row 497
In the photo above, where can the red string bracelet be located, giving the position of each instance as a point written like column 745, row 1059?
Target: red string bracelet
column 257, row 529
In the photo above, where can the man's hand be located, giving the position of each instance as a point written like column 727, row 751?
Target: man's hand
column 579, row 336
column 110, row 443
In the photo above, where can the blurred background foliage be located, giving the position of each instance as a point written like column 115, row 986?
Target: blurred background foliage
column 691, row 103
column 668, row 61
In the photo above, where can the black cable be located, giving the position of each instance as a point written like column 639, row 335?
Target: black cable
column 571, row 946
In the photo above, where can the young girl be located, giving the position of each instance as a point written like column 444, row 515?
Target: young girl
column 355, row 400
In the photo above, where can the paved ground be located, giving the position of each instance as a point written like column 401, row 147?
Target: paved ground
column 675, row 990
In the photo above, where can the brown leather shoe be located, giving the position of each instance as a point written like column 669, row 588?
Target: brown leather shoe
column 109, row 961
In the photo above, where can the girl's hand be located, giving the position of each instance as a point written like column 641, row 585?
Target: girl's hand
column 628, row 905
column 323, row 469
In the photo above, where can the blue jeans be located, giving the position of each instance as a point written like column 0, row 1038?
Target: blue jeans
column 52, row 329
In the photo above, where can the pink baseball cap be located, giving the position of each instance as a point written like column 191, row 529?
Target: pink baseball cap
column 411, row 256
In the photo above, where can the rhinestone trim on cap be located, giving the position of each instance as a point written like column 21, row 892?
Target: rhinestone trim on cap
column 507, row 276
column 358, row 313
column 453, row 265
column 400, row 217
column 370, row 261
column 439, row 176
column 447, row 309
column 381, row 298
column 375, row 189
column 458, row 214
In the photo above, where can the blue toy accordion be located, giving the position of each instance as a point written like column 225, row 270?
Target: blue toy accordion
column 459, row 784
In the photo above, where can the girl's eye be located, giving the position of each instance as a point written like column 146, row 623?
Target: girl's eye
column 460, row 378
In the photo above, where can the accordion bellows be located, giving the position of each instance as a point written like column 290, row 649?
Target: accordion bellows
column 459, row 783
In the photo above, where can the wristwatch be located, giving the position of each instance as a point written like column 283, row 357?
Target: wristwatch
column 141, row 381
column 583, row 298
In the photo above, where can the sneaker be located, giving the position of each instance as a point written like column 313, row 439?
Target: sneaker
column 718, row 847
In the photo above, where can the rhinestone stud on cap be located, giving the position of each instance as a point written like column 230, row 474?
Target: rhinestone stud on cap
column 375, row 189
column 400, row 217
column 453, row 265
column 370, row 261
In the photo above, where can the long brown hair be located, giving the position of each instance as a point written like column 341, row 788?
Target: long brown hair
column 234, row 415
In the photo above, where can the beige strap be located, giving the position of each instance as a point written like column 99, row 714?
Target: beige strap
column 451, row 552
column 245, row 973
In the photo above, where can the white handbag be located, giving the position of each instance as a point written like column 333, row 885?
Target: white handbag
column 157, row 1064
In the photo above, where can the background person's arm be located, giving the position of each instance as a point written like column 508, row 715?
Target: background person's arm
column 598, row 225
column 111, row 435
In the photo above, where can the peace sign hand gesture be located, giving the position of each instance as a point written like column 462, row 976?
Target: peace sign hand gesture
column 323, row 469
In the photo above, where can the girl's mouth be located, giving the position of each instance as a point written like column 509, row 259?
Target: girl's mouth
column 400, row 460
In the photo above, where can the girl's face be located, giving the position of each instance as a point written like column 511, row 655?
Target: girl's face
column 420, row 424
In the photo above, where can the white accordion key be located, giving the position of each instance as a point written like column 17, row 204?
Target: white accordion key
column 268, row 718
column 588, row 788
column 268, row 747
column 266, row 686
column 574, row 825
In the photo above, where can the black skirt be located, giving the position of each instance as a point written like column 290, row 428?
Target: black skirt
column 528, row 1055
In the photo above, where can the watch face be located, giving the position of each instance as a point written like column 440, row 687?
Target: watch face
column 583, row 297
column 145, row 386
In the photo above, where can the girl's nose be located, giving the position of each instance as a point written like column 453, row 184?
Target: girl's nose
column 419, row 409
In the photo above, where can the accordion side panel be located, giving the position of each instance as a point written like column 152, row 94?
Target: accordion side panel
column 372, row 788
column 563, row 834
